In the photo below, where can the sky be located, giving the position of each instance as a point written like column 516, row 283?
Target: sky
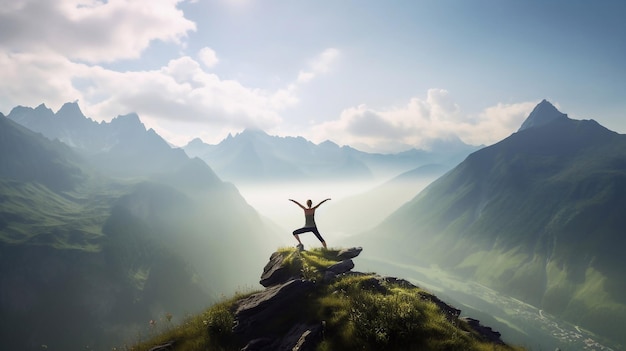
column 381, row 76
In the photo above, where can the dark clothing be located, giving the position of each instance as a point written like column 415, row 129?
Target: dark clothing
column 309, row 220
column 309, row 229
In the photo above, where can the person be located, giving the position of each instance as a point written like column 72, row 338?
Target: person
column 309, row 224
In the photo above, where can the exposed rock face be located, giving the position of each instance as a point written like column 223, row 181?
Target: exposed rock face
column 349, row 253
column 254, row 312
column 486, row 332
column 341, row 267
column 284, row 292
column 275, row 272
column 451, row 312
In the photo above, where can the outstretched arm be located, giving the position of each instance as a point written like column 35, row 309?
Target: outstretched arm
column 297, row 203
column 318, row 205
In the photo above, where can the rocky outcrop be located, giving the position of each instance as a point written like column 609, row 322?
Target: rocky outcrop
column 253, row 313
column 287, row 291
column 275, row 272
column 346, row 254
column 284, row 293
column 451, row 313
column 487, row 333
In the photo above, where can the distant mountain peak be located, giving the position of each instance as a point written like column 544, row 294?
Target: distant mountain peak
column 42, row 107
column 195, row 142
column 253, row 131
column 71, row 110
column 130, row 120
column 542, row 114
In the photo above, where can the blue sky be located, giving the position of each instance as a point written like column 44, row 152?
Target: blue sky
column 379, row 75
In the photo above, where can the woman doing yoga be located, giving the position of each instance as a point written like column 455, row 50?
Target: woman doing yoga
column 309, row 224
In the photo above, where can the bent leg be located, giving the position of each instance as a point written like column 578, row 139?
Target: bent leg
column 299, row 231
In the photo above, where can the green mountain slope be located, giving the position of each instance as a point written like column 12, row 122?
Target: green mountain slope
column 86, row 259
column 538, row 215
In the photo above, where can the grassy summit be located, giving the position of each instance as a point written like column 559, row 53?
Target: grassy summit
column 357, row 311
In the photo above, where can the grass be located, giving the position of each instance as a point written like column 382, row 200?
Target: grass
column 30, row 213
column 358, row 312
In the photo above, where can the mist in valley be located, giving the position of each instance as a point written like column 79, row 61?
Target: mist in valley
column 355, row 206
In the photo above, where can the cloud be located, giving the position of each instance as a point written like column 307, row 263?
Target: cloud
column 54, row 51
column 421, row 122
column 90, row 30
column 179, row 92
column 319, row 65
column 208, row 57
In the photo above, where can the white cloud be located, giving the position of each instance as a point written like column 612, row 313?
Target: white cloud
column 319, row 65
column 420, row 122
column 208, row 57
column 91, row 30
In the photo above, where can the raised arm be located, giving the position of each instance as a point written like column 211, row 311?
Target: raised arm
column 318, row 205
column 297, row 203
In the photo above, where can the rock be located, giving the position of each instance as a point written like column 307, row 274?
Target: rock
column 254, row 312
column 302, row 337
column 403, row 283
column 347, row 254
column 452, row 314
column 168, row 346
column 374, row 284
column 275, row 272
column 260, row 344
column 341, row 267
column 487, row 333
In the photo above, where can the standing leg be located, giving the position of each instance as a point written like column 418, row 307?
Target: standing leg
column 319, row 236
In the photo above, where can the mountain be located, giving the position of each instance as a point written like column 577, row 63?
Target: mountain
column 90, row 251
column 255, row 156
column 538, row 215
column 121, row 148
column 314, row 301
column 543, row 113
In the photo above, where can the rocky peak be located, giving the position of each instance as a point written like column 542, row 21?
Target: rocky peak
column 289, row 283
column 543, row 113
column 129, row 121
column 70, row 111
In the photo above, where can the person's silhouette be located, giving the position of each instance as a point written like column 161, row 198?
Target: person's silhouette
column 309, row 224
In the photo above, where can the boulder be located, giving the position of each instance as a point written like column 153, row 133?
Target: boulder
column 254, row 312
column 347, row 254
column 275, row 271
column 341, row 267
column 300, row 337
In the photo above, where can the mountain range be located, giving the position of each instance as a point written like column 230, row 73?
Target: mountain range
column 253, row 156
column 99, row 237
column 538, row 215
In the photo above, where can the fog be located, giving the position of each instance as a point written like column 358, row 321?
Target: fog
column 354, row 206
